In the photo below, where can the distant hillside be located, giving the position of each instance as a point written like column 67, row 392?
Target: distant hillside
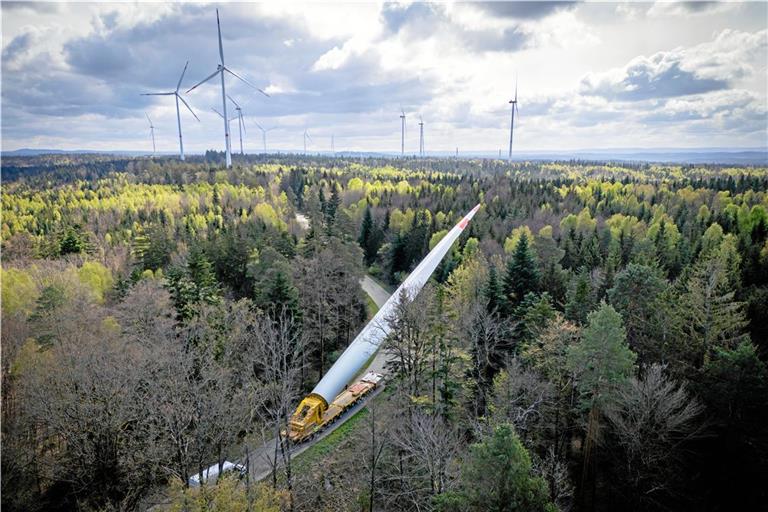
column 739, row 156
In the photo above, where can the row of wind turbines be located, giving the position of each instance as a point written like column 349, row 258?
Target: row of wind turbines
column 222, row 70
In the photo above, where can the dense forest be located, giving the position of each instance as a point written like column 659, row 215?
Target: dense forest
column 596, row 340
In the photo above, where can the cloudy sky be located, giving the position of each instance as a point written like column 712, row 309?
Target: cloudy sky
column 595, row 75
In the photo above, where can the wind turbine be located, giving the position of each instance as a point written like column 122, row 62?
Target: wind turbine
column 151, row 133
column 421, row 136
column 220, row 71
column 264, row 135
column 178, row 115
column 512, row 122
column 402, row 132
column 240, row 122
column 306, row 136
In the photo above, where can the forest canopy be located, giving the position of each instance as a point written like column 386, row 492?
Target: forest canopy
column 596, row 340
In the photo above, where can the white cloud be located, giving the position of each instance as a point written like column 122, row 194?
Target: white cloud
column 590, row 74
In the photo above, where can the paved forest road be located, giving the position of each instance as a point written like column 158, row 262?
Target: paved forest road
column 262, row 457
column 375, row 290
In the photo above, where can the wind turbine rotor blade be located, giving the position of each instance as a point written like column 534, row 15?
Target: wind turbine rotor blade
column 188, row 107
column 242, row 122
column 220, row 114
column 258, row 126
column 233, row 101
column 148, row 119
column 221, row 47
column 515, row 88
column 245, row 81
column 182, row 76
column 157, row 93
column 201, row 82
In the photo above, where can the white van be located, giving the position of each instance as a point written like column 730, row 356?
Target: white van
column 211, row 474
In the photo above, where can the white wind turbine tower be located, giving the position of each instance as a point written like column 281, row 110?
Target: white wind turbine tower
column 402, row 132
column 240, row 122
column 151, row 133
column 264, row 135
column 220, row 71
column 306, row 136
column 230, row 120
column 512, row 122
column 421, row 136
column 178, row 115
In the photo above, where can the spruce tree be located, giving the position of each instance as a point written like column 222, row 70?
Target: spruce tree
column 369, row 237
column 282, row 298
column 522, row 275
column 580, row 298
column 492, row 292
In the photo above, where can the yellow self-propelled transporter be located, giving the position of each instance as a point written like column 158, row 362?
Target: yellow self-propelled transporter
column 333, row 394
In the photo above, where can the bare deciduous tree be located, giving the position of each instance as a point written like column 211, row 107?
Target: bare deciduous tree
column 423, row 462
column 522, row 399
column 277, row 366
column 652, row 419
column 409, row 343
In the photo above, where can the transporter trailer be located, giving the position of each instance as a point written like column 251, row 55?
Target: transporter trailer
column 333, row 395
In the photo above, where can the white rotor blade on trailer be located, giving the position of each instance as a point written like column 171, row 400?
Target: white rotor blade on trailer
column 368, row 341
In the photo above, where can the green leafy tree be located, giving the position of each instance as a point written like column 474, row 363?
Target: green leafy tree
column 498, row 477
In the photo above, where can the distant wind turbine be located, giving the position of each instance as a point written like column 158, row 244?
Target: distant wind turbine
column 402, row 132
column 421, row 136
column 178, row 115
column 306, row 136
column 240, row 122
column 264, row 135
column 512, row 122
column 220, row 71
column 151, row 133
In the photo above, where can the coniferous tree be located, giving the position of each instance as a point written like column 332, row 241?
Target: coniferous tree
column 602, row 359
column 370, row 237
column 513, row 486
column 580, row 298
column 522, row 276
column 282, row 298
column 710, row 316
column 492, row 292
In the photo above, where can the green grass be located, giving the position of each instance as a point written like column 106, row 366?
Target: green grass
column 322, row 448
column 371, row 306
